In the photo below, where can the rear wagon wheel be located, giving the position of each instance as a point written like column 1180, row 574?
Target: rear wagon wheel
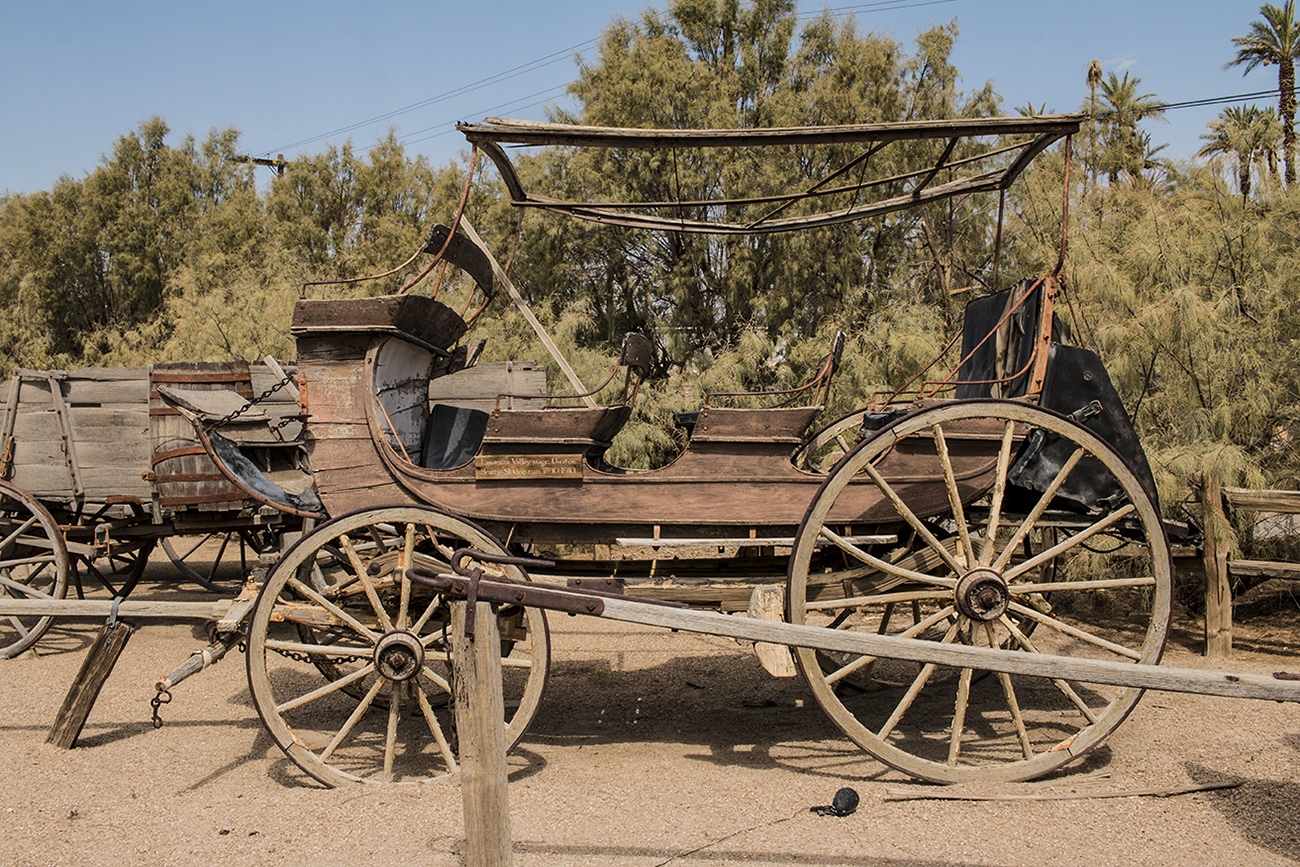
column 971, row 579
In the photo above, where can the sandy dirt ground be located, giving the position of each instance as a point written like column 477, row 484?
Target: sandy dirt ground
column 650, row 748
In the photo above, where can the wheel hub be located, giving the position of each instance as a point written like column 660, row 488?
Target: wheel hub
column 399, row 655
column 982, row 594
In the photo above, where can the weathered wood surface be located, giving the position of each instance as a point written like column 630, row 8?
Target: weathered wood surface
column 96, row 668
column 1218, row 590
column 768, row 603
column 1284, row 502
column 184, row 476
column 477, row 387
column 480, row 730
column 1076, row 669
column 98, row 609
column 1264, row 569
column 97, row 423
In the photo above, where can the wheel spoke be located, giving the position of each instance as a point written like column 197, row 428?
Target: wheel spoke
column 1072, row 631
column 959, row 716
column 22, row 528
column 338, row 612
column 431, row 719
column 1083, row 584
column 24, row 588
column 437, row 679
column 216, row 561
column 351, row 723
column 390, row 738
column 1067, row 543
column 406, row 561
column 359, row 570
column 911, row 632
column 917, row 685
column 43, row 560
column 891, row 568
column 999, row 492
column 910, row 517
column 883, row 598
column 329, row 688
column 322, row 650
column 1037, row 512
column 954, row 496
column 1013, row 704
column 1062, row 685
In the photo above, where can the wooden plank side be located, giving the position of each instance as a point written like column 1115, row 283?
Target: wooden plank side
column 101, row 425
column 94, row 392
column 52, row 481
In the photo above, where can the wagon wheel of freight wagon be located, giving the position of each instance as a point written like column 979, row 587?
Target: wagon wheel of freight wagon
column 337, row 619
column 34, row 565
column 991, row 473
column 202, row 557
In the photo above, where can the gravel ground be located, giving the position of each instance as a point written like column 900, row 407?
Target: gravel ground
column 651, row 748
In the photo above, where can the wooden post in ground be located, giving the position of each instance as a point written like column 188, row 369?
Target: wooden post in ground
column 1218, row 590
column 95, row 669
column 480, row 731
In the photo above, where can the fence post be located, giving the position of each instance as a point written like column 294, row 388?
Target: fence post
column 1218, row 590
column 480, row 731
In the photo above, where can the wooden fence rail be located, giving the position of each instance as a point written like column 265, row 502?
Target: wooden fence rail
column 1219, row 568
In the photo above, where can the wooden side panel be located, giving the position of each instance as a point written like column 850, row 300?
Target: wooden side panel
column 185, row 477
column 108, row 425
column 477, row 387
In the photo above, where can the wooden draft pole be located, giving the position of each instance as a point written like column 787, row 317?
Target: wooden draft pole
column 528, row 314
column 480, row 732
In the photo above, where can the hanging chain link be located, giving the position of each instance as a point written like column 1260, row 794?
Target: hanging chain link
column 222, row 422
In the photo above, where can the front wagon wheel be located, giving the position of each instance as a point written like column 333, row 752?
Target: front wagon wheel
column 349, row 661
column 1017, row 529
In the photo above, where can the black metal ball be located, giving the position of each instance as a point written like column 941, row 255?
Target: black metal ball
column 845, row 801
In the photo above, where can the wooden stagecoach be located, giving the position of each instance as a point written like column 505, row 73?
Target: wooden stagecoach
column 1000, row 512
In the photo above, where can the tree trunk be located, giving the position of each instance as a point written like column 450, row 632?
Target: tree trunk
column 1286, row 107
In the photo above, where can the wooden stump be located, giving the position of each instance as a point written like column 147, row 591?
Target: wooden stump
column 81, row 696
column 480, row 729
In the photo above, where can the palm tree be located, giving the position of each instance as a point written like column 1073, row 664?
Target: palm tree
column 1275, row 40
column 1094, row 81
column 1248, row 133
column 1123, row 149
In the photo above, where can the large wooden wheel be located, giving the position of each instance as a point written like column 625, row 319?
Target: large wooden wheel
column 34, row 564
column 980, row 569
column 348, row 660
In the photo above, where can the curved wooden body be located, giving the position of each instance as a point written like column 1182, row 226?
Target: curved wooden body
column 366, row 395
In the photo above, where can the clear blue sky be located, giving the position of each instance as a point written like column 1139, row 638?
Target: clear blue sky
column 294, row 75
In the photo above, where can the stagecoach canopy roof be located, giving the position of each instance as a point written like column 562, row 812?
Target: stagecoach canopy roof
column 1006, row 147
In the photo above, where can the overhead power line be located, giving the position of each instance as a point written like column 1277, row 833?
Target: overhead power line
column 555, row 57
